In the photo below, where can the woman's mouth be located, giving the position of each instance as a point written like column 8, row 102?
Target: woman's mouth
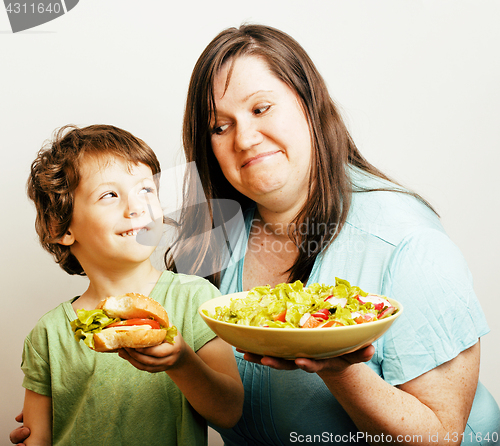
column 259, row 157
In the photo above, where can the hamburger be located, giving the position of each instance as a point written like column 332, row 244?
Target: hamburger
column 131, row 320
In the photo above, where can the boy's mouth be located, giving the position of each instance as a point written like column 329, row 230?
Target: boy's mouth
column 139, row 230
column 133, row 232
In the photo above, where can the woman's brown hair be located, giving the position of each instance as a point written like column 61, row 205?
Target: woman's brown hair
column 330, row 189
column 55, row 175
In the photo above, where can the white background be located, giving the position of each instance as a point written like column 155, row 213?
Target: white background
column 418, row 83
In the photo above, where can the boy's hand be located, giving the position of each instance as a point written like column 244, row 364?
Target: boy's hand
column 208, row 378
column 160, row 358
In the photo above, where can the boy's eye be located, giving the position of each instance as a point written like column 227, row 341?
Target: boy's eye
column 109, row 195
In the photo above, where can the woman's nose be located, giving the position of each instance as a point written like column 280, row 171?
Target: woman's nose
column 247, row 136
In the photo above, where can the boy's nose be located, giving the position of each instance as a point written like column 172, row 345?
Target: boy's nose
column 135, row 213
column 135, row 208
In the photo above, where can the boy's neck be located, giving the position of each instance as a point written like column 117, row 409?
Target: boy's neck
column 140, row 279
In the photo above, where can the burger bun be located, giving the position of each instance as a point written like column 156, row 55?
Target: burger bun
column 131, row 306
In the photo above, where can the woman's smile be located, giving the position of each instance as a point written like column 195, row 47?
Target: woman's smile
column 258, row 158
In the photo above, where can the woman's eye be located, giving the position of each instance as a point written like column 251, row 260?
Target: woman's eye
column 220, row 129
column 260, row 110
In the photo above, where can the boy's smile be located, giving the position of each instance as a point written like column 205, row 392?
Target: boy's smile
column 117, row 218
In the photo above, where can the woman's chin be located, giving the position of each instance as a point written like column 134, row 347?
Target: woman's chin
column 262, row 187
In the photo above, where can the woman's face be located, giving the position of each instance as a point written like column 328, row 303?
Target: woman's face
column 261, row 138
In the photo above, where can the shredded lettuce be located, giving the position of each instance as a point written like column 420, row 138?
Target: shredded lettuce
column 89, row 322
column 262, row 304
column 171, row 333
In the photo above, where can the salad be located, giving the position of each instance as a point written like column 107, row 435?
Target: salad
column 291, row 305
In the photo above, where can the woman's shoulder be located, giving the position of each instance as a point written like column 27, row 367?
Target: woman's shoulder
column 388, row 211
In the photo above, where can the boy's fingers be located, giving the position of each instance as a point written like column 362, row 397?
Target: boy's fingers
column 145, row 358
column 158, row 351
column 164, row 349
column 145, row 363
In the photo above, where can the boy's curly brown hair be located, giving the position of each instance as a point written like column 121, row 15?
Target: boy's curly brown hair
column 55, row 175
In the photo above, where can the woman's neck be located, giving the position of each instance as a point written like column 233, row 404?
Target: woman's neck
column 277, row 222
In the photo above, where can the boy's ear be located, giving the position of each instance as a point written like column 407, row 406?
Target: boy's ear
column 67, row 239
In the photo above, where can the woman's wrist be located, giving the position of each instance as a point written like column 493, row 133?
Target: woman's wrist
column 333, row 372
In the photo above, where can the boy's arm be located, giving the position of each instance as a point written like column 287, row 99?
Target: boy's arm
column 211, row 382
column 209, row 378
column 38, row 417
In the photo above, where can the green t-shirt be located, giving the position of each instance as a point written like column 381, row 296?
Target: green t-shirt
column 101, row 399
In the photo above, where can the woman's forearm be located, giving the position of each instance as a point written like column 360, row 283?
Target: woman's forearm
column 377, row 408
column 432, row 408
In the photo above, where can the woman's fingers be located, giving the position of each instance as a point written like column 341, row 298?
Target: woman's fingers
column 362, row 355
column 18, row 435
column 337, row 364
column 269, row 361
column 312, row 365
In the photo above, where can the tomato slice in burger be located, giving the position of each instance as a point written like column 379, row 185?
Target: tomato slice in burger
column 149, row 322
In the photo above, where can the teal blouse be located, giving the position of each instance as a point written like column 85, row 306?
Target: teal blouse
column 394, row 245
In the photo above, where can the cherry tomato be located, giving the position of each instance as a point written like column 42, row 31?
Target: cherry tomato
column 312, row 322
column 332, row 323
column 280, row 316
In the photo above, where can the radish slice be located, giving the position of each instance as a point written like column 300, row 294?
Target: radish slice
column 304, row 318
column 337, row 301
column 388, row 311
column 375, row 300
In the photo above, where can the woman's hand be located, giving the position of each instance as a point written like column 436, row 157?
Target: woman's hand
column 19, row 434
column 334, row 365
column 159, row 358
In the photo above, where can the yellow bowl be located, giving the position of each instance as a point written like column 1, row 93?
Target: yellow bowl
column 291, row 343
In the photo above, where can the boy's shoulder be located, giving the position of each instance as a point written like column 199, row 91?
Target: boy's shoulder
column 182, row 293
column 54, row 318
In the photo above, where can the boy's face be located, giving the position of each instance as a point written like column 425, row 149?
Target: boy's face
column 117, row 218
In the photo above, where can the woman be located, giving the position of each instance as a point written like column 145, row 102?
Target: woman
column 262, row 130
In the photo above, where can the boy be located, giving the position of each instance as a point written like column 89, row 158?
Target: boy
column 96, row 194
